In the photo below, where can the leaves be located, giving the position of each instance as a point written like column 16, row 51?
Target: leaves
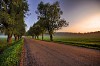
column 49, row 19
column 12, row 13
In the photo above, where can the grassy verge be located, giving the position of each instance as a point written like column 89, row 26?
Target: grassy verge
column 93, row 43
column 3, row 44
column 81, row 44
column 11, row 55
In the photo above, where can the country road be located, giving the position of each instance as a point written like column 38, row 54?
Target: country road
column 41, row 53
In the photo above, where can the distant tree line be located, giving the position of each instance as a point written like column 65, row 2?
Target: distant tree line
column 49, row 20
column 12, row 13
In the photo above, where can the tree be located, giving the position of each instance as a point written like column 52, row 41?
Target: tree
column 7, row 18
column 42, row 27
column 51, row 15
column 35, row 30
column 20, row 14
column 12, row 15
column 30, row 32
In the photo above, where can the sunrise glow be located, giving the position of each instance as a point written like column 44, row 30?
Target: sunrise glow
column 87, row 24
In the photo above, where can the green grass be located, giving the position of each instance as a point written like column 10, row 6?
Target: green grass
column 11, row 55
column 3, row 44
column 88, row 42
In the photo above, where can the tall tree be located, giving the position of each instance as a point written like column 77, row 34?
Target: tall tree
column 12, row 13
column 21, row 10
column 42, row 27
column 7, row 18
column 51, row 15
column 30, row 32
column 36, row 30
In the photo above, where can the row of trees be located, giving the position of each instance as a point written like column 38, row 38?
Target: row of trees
column 49, row 20
column 12, row 13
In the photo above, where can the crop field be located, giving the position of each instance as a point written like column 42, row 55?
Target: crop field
column 83, row 41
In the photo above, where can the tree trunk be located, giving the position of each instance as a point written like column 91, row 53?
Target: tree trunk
column 9, row 39
column 37, row 37
column 51, row 37
column 42, row 36
column 20, row 37
column 33, row 37
column 16, row 37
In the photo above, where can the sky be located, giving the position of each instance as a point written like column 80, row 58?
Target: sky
column 82, row 15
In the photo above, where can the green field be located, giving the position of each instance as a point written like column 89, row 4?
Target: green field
column 82, row 41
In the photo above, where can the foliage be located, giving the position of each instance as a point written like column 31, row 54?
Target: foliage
column 35, row 30
column 12, row 13
column 50, row 15
column 11, row 56
column 49, row 19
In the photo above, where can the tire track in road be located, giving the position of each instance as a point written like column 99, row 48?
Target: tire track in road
column 27, row 58
column 30, row 60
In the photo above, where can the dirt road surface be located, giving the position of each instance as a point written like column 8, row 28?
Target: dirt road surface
column 41, row 53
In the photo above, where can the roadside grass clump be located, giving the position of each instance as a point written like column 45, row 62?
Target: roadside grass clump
column 11, row 55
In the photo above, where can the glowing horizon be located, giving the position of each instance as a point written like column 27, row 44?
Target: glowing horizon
column 88, row 24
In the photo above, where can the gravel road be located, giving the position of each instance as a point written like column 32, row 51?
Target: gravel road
column 41, row 53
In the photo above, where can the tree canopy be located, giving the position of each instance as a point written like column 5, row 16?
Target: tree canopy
column 12, row 13
column 49, row 17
